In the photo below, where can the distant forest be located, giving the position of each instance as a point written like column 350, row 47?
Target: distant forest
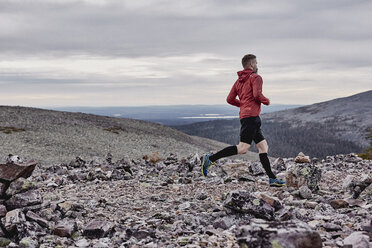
column 314, row 140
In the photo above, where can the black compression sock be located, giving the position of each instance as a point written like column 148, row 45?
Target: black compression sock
column 266, row 164
column 228, row 151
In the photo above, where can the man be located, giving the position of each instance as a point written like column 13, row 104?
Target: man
column 248, row 87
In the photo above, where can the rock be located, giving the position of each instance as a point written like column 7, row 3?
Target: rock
column 4, row 242
column 3, row 187
column 20, row 185
column 288, row 234
column 34, row 217
column 358, row 184
column 14, row 218
column 82, row 243
column 65, row 228
column 202, row 196
column 77, row 163
column 273, row 201
column 339, row 203
column 357, row 240
column 255, row 168
column 10, row 172
column 332, row 227
column 28, row 242
column 25, row 199
column 242, row 202
column 97, row 229
column 347, row 182
column 223, row 223
column 234, row 169
column 305, row 192
column 301, row 158
column 2, row 210
column 279, row 165
column 304, row 174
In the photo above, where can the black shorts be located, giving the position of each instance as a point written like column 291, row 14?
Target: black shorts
column 251, row 130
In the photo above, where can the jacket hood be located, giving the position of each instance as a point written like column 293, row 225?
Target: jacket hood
column 244, row 75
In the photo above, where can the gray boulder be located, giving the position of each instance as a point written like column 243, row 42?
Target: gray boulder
column 288, row 234
column 242, row 202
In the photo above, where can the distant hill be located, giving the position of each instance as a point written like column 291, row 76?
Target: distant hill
column 54, row 136
column 320, row 129
column 172, row 114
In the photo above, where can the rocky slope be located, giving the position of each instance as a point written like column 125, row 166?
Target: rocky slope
column 153, row 202
column 347, row 118
column 54, row 136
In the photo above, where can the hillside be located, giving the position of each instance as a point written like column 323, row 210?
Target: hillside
column 347, row 118
column 321, row 129
column 54, row 136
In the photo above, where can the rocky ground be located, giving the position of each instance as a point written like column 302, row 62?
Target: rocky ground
column 165, row 202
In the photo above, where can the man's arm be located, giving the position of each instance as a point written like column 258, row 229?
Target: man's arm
column 257, row 91
column 231, row 98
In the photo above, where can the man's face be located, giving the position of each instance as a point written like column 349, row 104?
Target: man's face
column 254, row 65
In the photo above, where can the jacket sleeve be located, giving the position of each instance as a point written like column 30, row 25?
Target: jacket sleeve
column 231, row 98
column 257, row 91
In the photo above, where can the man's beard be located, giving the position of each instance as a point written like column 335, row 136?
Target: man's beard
column 256, row 70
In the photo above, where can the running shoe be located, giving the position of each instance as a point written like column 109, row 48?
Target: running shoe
column 205, row 165
column 276, row 182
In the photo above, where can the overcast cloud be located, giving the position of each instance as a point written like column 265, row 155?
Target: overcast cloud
column 165, row 52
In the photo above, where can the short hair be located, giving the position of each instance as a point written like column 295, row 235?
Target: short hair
column 247, row 59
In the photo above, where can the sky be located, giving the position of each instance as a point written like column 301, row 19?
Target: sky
column 169, row 52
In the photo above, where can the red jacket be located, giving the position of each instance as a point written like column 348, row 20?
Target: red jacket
column 249, row 89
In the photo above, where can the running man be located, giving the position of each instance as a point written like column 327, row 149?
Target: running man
column 248, row 87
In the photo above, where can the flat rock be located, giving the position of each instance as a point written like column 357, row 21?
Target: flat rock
column 339, row 203
column 65, row 228
column 28, row 198
column 10, row 172
column 242, row 202
column 97, row 229
column 34, row 217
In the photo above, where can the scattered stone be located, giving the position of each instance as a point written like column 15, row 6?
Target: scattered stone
column 287, row 234
column 332, row 227
column 358, row 184
column 3, row 187
column 256, row 168
column 273, row 201
column 305, row 192
column 10, row 172
column 242, row 202
column 301, row 158
column 14, row 218
column 304, row 174
column 82, row 243
column 357, row 240
column 28, row 242
column 2, row 210
column 34, row 217
column 339, row 203
column 20, row 185
column 65, row 228
column 279, row 165
column 25, row 199
column 4, row 242
column 97, row 229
